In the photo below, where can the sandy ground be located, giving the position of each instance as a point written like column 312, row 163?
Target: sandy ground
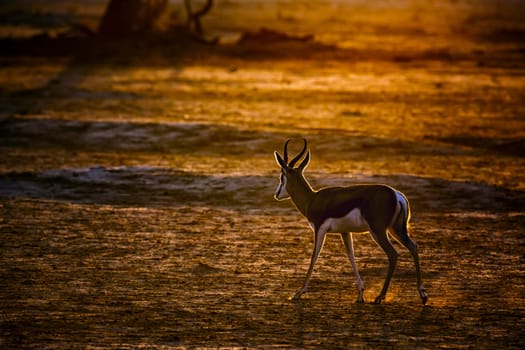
column 137, row 202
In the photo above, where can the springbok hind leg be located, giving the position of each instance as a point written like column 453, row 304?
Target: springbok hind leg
column 403, row 237
column 381, row 238
column 413, row 250
column 412, row 247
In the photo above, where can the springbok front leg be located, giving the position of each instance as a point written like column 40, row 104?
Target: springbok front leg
column 349, row 245
column 380, row 237
column 319, row 237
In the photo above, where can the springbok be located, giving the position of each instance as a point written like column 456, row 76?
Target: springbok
column 346, row 210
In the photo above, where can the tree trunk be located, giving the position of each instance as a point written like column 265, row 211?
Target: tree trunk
column 127, row 17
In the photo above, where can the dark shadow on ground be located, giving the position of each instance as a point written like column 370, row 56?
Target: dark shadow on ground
column 509, row 146
column 27, row 132
column 157, row 187
column 154, row 186
column 168, row 138
column 167, row 49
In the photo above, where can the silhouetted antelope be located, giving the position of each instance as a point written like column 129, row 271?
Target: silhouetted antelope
column 377, row 209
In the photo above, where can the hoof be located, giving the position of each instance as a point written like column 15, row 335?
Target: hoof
column 360, row 297
column 296, row 297
column 424, row 296
column 379, row 299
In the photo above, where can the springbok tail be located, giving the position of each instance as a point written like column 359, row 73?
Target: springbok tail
column 403, row 217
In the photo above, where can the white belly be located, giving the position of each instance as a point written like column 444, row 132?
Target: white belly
column 351, row 222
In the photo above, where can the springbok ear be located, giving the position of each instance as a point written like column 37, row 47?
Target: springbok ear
column 305, row 161
column 279, row 160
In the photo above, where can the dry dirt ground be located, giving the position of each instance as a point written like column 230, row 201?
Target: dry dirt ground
column 136, row 200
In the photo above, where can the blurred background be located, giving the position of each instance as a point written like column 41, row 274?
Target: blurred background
column 137, row 171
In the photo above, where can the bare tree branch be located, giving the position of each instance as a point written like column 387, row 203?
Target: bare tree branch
column 194, row 18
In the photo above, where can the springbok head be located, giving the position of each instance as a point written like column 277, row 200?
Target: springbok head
column 290, row 175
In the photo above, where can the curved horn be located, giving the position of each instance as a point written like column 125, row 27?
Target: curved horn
column 305, row 161
column 297, row 157
column 286, row 151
